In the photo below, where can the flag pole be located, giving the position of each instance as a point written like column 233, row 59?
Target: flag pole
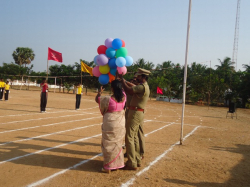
column 81, row 73
column 47, row 69
column 185, row 73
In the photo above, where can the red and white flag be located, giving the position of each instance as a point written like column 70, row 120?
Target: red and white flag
column 159, row 90
column 54, row 55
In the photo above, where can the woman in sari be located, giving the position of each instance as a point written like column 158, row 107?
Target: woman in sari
column 113, row 127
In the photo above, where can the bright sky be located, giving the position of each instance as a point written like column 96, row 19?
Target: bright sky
column 153, row 30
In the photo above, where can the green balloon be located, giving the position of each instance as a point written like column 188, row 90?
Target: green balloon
column 122, row 52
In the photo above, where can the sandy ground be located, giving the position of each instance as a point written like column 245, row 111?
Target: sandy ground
column 62, row 147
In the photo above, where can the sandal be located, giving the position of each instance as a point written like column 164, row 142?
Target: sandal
column 106, row 170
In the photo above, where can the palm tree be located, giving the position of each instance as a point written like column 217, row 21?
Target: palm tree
column 226, row 65
column 247, row 67
column 23, row 55
column 225, row 70
column 145, row 65
column 165, row 65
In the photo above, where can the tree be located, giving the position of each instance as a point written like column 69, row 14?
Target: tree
column 225, row 73
column 247, row 67
column 198, row 81
column 145, row 65
column 226, row 70
column 23, row 55
column 244, row 87
column 10, row 69
column 13, row 71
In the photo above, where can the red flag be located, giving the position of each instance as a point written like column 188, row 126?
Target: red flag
column 159, row 90
column 54, row 55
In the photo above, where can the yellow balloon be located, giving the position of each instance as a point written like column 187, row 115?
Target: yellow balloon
column 104, row 69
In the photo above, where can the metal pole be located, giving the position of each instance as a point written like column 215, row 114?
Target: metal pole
column 28, row 83
column 81, row 77
column 209, row 86
column 55, row 86
column 47, row 69
column 21, row 83
column 185, row 72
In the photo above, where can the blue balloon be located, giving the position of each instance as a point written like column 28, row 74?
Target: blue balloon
column 95, row 60
column 120, row 61
column 113, row 71
column 117, row 43
column 104, row 79
column 112, row 63
column 110, row 52
column 129, row 60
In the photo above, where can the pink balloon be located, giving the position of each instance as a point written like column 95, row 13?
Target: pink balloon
column 96, row 72
column 122, row 70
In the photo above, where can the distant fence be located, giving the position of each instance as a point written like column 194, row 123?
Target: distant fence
column 27, row 83
column 165, row 98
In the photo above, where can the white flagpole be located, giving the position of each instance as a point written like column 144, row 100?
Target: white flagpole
column 185, row 72
column 47, row 69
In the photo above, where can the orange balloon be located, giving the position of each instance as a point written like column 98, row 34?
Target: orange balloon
column 111, row 77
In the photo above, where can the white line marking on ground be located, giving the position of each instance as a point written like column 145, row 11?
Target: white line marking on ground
column 38, row 113
column 46, row 125
column 131, row 181
column 161, row 121
column 61, row 145
column 158, row 129
column 26, row 139
column 61, row 172
column 48, row 118
column 174, row 116
column 197, row 125
column 72, row 167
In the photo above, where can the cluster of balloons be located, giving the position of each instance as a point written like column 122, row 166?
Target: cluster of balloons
column 111, row 57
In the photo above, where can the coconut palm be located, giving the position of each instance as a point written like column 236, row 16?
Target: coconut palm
column 225, row 70
column 226, row 65
column 247, row 67
column 165, row 65
column 141, row 63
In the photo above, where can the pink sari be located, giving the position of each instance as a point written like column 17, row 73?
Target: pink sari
column 113, row 132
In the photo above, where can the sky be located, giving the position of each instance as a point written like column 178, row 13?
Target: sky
column 153, row 30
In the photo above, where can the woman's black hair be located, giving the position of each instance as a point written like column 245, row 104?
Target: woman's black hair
column 117, row 88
